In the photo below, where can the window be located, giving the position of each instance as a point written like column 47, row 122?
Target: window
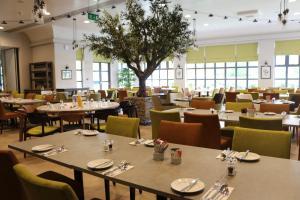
column 79, row 78
column 162, row 76
column 287, row 71
column 240, row 75
column 101, row 76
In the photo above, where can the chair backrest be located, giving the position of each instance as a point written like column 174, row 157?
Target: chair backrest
column 295, row 98
column 129, row 108
column 261, row 123
column 181, row 133
column 95, row 96
column 276, row 108
column 252, row 90
column 218, row 98
column 10, row 186
column 122, row 94
column 122, row 126
column 37, row 188
column 270, row 95
column 156, row 102
column 37, row 118
column 263, row 142
column 49, row 98
column 30, row 96
column 102, row 93
column 211, row 129
column 2, row 110
column 61, row 96
column 200, row 104
column 110, row 94
column 39, row 97
column 157, row 116
column 231, row 96
column 238, row 106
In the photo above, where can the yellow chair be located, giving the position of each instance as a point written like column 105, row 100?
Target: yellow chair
column 40, row 188
column 122, row 126
column 261, row 123
column 39, row 97
column 238, row 106
column 263, row 142
column 157, row 116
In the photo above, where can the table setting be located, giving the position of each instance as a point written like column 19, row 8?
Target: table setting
column 49, row 149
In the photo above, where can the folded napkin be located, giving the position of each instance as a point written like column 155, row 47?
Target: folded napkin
column 140, row 141
column 214, row 194
column 233, row 154
column 114, row 171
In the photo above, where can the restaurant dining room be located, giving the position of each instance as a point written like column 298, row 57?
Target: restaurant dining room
column 149, row 99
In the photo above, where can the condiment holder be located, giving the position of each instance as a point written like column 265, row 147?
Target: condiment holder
column 176, row 156
column 159, row 149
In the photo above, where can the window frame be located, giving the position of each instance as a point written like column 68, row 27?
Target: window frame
column 286, row 67
column 99, row 74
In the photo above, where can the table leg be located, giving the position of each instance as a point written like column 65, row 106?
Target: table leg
column 79, row 178
column 158, row 197
column 132, row 193
column 106, row 185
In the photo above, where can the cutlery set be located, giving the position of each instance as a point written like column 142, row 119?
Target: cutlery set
column 123, row 166
column 55, row 151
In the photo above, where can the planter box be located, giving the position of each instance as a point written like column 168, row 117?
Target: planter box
column 143, row 104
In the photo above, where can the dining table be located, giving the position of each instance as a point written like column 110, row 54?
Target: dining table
column 231, row 116
column 88, row 106
column 268, row 178
column 20, row 101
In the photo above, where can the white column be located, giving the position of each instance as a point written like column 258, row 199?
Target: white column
column 114, row 74
column 266, row 53
column 87, row 69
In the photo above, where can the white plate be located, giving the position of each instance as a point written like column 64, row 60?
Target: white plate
column 269, row 113
column 181, row 183
column 250, row 157
column 149, row 143
column 229, row 111
column 89, row 132
column 100, row 164
column 42, row 148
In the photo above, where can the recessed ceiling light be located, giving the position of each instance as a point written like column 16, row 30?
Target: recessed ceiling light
column 297, row 13
column 187, row 16
column 1, row 27
column 205, row 24
column 86, row 21
column 290, row 1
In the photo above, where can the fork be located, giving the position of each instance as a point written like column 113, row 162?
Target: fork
column 123, row 165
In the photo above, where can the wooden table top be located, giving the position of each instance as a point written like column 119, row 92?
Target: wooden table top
column 70, row 107
column 19, row 101
column 270, row 178
column 288, row 120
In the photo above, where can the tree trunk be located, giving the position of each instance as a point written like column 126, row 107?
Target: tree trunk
column 142, row 87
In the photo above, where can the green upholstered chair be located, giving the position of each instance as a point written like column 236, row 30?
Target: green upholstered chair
column 95, row 96
column 61, row 96
column 157, row 116
column 37, row 188
column 159, row 106
column 38, row 125
column 238, row 106
column 261, row 123
column 263, row 142
column 122, row 126
column 102, row 115
column 39, row 97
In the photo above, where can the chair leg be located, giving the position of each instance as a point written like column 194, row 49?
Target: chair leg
column 132, row 193
column 139, row 132
column 1, row 126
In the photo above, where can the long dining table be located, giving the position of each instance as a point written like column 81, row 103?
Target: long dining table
column 287, row 120
column 269, row 178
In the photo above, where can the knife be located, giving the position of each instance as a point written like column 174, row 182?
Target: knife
column 246, row 154
column 190, row 185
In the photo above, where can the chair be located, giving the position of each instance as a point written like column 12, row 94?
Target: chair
column 159, row 106
column 4, row 116
column 238, row 106
column 95, row 96
column 296, row 99
column 102, row 94
column 215, row 91
column 110, row 95
column 75, row 121
column 30, row 96
column 263, row 142
column 39, row 97
column 276, row 108
column 122, row 94
column 253, row 90
column 122, row 126
column 261, row 123
column 181, row 133
column 211, row 128
column 10, row 186
column 231, row 96
column 103, row 115
column 49, row 98
column 218, row 98
column 39, row 127
column 269, row 96
column 157, row 116
column 200, row 104
column 61, row 96
column 37, row 188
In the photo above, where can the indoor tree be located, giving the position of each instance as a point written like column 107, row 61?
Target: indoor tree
column 138, row 36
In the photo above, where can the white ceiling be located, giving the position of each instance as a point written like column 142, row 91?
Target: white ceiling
column 216, row 27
